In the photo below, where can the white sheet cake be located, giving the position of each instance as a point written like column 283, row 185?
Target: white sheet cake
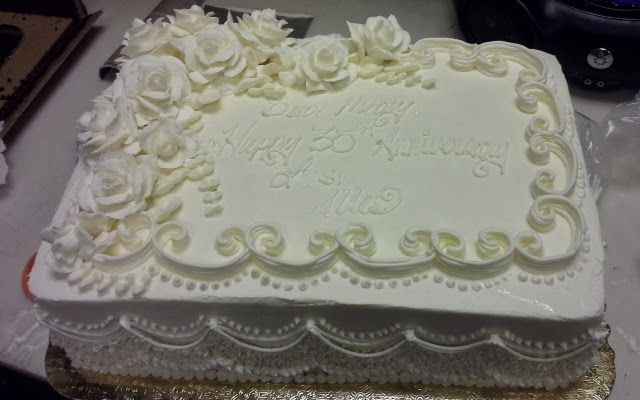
column 250, row 206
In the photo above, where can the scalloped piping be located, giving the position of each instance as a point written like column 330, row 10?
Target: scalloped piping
column 483, row 366
column 355, row 245
column 369, row 348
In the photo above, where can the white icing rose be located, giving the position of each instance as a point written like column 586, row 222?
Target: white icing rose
column 321, row 63
column 145, row 37
column 213, row 52
column 193, row 19
column 109, row 127
column 261, row 31
column 163, row 139
column 76, row 242
column 119, row 186
column 156, row 85
column 380, row 38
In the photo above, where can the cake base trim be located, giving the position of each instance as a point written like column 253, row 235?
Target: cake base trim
column 74, row 381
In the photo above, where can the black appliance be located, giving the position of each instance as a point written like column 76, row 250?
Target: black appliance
column 596, row 41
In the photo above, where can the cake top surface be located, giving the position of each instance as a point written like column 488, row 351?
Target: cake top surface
column 230, row 163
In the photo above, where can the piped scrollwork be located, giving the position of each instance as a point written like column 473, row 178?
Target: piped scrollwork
column 355, row 246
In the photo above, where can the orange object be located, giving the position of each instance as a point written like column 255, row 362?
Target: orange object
column 26, row 271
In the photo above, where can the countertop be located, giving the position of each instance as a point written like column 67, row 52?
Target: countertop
column 41, row 152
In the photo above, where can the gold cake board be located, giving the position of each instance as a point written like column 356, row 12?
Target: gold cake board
column 595, row 384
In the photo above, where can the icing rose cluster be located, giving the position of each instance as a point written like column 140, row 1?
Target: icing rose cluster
column 321, row 63
column 262, row 32
column 216, row 52
column 73, row 243
column 119, row 185
column 380, row 38
column 141, row 138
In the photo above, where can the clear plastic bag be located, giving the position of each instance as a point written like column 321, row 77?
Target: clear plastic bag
column 612, row 148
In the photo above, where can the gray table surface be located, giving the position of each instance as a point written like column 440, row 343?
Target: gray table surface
column 41, row 155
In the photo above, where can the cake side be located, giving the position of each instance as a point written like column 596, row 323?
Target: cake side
column 311, row 361
column 144, row 244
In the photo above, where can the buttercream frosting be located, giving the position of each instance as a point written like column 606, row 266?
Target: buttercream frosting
column 229, row 164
